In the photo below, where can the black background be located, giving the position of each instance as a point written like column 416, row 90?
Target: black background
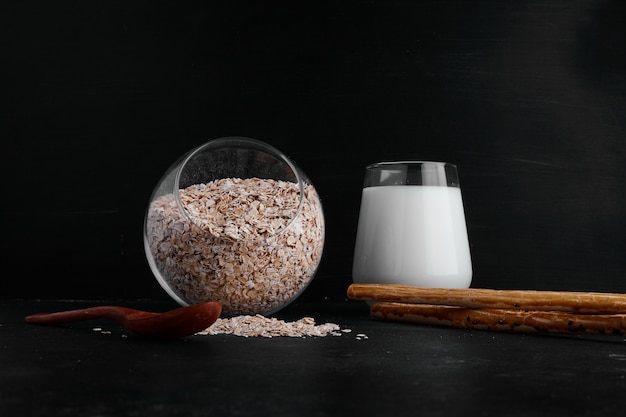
column 528, row 98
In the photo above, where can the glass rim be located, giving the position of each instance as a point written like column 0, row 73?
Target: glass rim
column 409, row 162
column 411, row 173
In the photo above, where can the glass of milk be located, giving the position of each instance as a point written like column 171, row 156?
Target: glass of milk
column 412, row 227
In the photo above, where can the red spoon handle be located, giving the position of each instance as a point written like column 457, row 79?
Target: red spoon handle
column 100, row 312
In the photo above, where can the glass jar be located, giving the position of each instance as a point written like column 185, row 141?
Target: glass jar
column 236, row 221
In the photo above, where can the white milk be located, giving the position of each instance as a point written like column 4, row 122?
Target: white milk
column 413, row 235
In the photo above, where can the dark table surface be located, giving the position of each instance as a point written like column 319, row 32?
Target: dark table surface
column 379, row 368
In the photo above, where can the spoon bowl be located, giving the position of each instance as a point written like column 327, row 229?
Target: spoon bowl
column 181, row 322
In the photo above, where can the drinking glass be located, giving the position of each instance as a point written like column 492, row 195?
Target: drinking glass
column 411, row 227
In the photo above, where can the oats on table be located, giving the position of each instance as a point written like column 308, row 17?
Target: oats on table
column 261, row 326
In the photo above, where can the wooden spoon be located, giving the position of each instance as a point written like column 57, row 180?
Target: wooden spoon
column 181, row 322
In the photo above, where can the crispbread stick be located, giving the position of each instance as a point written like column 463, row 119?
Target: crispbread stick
column 566, row 301
column 516, row 321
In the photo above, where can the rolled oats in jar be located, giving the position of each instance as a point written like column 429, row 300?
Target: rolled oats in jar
column 235, row 221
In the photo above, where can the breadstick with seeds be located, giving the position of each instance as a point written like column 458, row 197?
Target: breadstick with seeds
column 566, row 301
column 516, row 321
